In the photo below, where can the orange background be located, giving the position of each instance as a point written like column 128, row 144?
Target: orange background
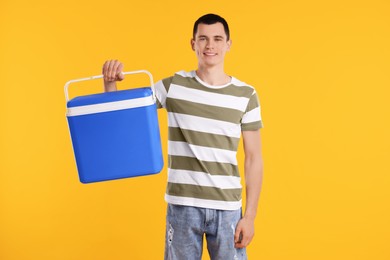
column 322, row 72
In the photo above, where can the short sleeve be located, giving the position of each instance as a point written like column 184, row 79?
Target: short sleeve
column 251, row 119
column 162, row 88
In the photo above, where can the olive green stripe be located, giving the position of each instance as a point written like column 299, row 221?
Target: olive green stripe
column 252, row 126
column 253, row 103
column 206, row 111
column 202, row 192
column 167, row 82
column 193, row 164
column 203, row 139
column 232, row 90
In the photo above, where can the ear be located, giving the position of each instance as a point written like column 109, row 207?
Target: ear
column 192, row 42
column 229, row 43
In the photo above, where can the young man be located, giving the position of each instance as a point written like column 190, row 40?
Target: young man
column 207, row 112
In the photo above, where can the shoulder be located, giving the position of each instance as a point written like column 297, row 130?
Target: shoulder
column 246, row 90
column 182, row 78
column 185, row 74
column 178, row 76
column 242, row 84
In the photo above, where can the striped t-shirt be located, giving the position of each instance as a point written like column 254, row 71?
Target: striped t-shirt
column 205, row 124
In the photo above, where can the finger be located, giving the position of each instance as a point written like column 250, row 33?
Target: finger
column 108, row 67
column 239, row 245
column 120, row 76
column 113, row 72
column 109, row 70
column 240, row 240
column 245, row 240
column 237, row 234
column 117, row 70
column 103, row 67
column 104, row 70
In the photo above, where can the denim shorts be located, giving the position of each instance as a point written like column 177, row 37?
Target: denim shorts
column 186, row 226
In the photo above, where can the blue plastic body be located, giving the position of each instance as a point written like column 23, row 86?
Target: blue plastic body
column 116, row 144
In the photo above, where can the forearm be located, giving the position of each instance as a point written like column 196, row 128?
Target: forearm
column 253, row 176
column 253, row 180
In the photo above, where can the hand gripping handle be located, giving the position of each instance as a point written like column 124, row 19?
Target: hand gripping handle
column 101, row 76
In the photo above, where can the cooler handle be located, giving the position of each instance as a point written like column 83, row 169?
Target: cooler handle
column 101, row 76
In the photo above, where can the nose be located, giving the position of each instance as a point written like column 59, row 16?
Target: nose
column 210, row 44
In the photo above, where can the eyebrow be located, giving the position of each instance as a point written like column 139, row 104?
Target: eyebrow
column 216, row 36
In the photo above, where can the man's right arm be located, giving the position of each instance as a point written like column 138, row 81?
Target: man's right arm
column 112, row 72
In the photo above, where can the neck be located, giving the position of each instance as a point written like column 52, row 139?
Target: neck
column 213, row 76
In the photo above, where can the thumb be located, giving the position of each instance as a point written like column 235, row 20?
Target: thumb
column 237, row 233
column 120, row 76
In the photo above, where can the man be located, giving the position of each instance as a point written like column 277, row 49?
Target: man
column 207, row 112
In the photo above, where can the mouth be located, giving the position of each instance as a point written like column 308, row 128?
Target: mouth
column 209, row 54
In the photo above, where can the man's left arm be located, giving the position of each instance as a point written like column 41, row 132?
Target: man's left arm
column 253, row 180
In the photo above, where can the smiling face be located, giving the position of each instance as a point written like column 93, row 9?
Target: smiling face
column 210, row 44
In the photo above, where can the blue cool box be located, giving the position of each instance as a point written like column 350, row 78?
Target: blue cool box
column 115, row 135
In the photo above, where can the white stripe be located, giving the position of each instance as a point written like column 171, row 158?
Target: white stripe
column 110, row 106
column 240, row 83
column 205, row 125
column 185, row 74
column 214, row 204
column 202, row 153
column 204, row 179
column 234, row 81
column 161, row 92
column 208, row 98
column 252, row 116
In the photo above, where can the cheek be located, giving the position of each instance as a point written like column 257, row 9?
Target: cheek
column 198, row 49
column 226, row 49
